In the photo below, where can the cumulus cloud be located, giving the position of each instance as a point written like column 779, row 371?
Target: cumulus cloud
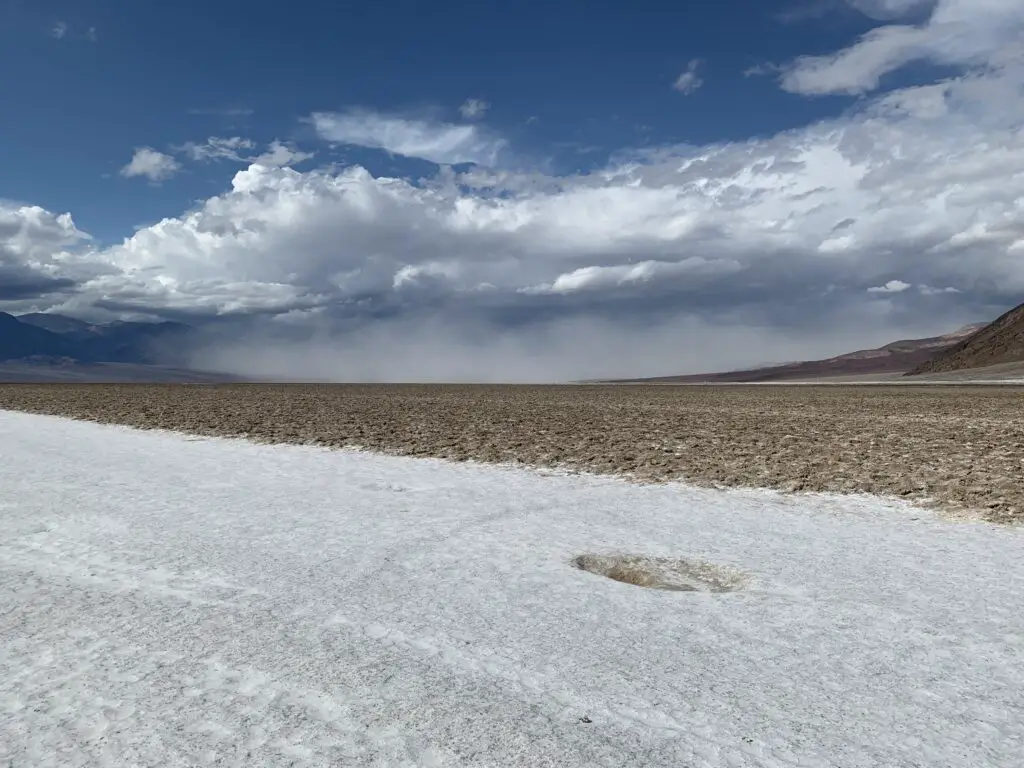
column 690, row 80
column 473, row 109
column 59, row 30
column 594, row 278
column 969, row 33
column 279, row 154
column 152, row 164
column 438, row 142
column 839, row 204
column 37, row 254
column 893, row 286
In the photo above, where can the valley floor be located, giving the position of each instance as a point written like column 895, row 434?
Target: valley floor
column 178, row 600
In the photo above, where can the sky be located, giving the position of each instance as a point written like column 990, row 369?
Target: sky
column 402, row 189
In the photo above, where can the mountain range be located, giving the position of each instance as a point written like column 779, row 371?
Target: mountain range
column 50, row 347
column 57, row 337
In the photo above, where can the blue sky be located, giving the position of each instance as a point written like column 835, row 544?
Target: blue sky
column 781, row 178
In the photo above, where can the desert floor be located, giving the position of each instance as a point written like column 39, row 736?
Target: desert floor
column 960, row 449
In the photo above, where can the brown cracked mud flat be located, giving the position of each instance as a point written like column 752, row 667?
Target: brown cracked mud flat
column 960, row 449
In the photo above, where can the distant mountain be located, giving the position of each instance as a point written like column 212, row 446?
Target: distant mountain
column 120, row 342
column 42, row 347
column 21, row 340
column 897, row 357
column 55, row 323
column 1001, row 341
column 116, row 342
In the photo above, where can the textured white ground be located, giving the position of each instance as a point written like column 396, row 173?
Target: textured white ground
column 167, row 600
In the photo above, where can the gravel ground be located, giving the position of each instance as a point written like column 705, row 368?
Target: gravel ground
column 958, row 448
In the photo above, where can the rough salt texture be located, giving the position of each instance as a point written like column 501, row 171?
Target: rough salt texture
column 959, row 448
column 174, row 601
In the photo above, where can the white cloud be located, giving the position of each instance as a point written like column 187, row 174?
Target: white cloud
column 969, row 33
column 240, row 150
column 61, row 30
column 844, row 203
column 37, row 254
column 893, row 286
column 438, row 142
column 279, row 154
column 154, row 165
column 927, row 290
column 429, row 275
column 690, row 80
column 473, row 109
column 593, row 278
column 216, row 148
column 765, row 68
column 35, row 235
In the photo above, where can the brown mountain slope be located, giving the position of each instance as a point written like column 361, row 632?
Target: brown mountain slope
column 1002, row 341
column 897, row 357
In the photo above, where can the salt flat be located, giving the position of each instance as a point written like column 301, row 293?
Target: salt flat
column 173, row 600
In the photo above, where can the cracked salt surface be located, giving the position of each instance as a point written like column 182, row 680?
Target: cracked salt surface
column 166, row 602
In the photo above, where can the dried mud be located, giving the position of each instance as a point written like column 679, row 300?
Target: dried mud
column 958, row 448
